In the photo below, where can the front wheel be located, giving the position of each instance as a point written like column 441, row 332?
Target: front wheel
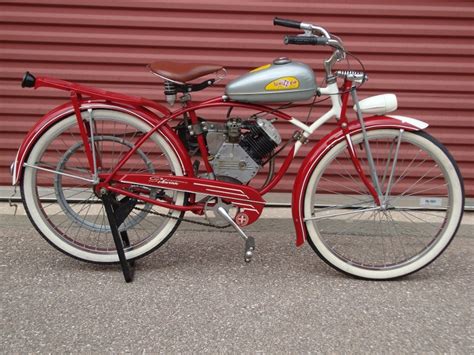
column 419, row 215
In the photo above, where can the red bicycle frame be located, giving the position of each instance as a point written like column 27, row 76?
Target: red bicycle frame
column 249, row 200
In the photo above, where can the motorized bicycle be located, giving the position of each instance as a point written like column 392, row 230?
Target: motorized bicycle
column 376, row 198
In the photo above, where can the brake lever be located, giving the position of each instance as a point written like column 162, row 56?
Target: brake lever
column 337, row 45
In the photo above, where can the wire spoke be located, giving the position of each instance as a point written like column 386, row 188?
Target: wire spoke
column 348, row 225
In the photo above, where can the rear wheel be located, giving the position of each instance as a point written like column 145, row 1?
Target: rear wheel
column 421, row 213
column 60, row 199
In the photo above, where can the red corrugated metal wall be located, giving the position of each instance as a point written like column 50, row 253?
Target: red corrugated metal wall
column 423, row 51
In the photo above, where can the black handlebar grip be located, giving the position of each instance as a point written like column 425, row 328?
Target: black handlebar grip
column 306, row 40
column 28, row 80
column 286, row 23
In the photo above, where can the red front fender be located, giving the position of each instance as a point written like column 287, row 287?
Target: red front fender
column 323, row 146
column 67, row 109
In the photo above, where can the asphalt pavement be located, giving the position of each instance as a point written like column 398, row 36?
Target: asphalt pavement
column 196, row 294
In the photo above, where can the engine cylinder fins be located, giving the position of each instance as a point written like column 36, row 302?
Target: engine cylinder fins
column 257, row 143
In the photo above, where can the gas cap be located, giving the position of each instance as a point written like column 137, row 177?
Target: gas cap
column 282, row 60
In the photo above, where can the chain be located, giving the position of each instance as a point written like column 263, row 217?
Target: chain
column 181, row 219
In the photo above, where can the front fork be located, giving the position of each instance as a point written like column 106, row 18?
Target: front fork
column 373, row 185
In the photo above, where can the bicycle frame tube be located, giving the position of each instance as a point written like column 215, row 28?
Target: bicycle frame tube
column 134, row 149
column 201, row 144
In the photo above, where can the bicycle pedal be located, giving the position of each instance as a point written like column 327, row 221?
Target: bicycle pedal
column 249, row 249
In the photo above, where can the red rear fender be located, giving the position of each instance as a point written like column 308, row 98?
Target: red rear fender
column 323, row 146
column 66, row 110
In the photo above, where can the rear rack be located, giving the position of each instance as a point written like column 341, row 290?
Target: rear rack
column 79, row 90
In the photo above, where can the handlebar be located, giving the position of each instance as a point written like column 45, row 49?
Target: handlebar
column 315, row 36
column 307, row 27
column 309, row 37
column 286, row 23
column 306, row 40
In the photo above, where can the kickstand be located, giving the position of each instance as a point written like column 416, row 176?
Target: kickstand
column 117, row 212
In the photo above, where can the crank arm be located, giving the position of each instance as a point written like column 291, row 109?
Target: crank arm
column 249, row 241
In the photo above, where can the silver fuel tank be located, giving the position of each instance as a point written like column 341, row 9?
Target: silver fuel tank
column 282, row 81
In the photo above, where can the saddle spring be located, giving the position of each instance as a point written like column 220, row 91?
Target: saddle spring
column 170, row 92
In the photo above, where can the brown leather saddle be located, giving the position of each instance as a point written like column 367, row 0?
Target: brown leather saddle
column 182, row 73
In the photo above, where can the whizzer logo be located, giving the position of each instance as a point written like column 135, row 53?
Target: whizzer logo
column 161, row 180
column 285, row 83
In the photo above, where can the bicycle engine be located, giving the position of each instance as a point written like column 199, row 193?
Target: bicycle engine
column 238, row 148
